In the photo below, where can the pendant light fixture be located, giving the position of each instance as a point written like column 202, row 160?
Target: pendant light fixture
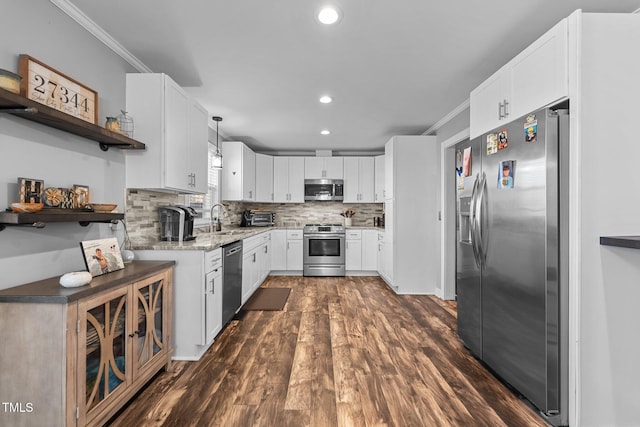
column 216, row 160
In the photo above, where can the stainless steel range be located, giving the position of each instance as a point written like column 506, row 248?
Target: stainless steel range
column 323, row 250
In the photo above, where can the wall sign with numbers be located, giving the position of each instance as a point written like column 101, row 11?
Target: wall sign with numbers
column 43, row 84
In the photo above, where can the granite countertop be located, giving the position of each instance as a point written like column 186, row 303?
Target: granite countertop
column 203, row 241
column 210, row 241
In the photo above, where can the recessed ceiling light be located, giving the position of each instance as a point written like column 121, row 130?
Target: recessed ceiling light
column 328, row 15
column 326, row 99
column 325, row 132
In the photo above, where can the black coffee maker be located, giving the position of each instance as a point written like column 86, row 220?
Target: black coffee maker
column 176, row 223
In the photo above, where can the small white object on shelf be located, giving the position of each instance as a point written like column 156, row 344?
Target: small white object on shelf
column 75, row 279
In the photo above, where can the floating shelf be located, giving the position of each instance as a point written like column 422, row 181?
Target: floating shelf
column 40, row 219
column 18, row 105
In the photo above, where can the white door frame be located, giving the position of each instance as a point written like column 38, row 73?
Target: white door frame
column 447, row 289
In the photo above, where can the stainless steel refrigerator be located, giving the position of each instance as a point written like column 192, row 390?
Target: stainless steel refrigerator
column 511, row 278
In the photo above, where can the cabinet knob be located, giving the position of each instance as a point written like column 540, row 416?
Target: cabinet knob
column 134, row 334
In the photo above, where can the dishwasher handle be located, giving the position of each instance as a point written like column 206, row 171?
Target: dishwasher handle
column 233, row 250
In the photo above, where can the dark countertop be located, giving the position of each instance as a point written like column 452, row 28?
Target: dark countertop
column 621, row 241
column 50, row 291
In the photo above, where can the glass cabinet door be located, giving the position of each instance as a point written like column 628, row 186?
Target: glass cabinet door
column 105, row 350
column 149, row 320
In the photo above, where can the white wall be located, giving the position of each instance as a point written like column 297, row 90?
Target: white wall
column 609, row 203
column 31, row 150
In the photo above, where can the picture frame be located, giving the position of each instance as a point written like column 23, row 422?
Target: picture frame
column 81, row 195
column 102, row 256
column 30, row 190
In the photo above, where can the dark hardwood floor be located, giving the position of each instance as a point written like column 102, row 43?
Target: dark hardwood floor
column 343, row 352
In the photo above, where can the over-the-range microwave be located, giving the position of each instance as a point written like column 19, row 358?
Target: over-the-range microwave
column 323, row 189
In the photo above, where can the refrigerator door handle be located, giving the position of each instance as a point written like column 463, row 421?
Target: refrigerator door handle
column 473, row 221
column 483, row 231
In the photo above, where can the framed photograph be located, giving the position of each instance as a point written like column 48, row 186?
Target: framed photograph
column 102, row 256
column 80, row 195
column 30, row 190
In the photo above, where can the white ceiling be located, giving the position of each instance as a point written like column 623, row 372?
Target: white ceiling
column 394, row 67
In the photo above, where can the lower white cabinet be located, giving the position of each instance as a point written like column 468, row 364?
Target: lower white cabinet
column 294, row 249
column 197, row 298
column 361, row 250
column 369, row 250
column 256, row 263
column 213, row 294
column 381, row 257
column 287, row 250
column 353, row 250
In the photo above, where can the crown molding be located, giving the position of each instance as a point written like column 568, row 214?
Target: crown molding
column 453, row 113
column 99, row 33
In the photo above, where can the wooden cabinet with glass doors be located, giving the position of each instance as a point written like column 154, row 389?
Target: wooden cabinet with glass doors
column 117, row 339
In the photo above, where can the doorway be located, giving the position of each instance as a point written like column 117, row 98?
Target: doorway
column 448, row 209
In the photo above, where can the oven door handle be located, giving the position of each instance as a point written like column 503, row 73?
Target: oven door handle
column 325, row 235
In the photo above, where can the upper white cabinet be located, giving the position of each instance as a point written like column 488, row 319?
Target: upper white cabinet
column 323, row 167
column 264, row 178
column 536, row 77
column 378, row 181
column 359, row 180
column 288, row 179
column 239, row 172
column 174, row 128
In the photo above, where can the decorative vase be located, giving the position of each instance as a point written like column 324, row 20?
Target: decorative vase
column 347, row 222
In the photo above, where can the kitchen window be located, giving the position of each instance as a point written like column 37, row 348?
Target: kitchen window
column 202, row 202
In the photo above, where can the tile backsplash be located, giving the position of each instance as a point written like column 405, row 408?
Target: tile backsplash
column 141, row 212
column 298, row 214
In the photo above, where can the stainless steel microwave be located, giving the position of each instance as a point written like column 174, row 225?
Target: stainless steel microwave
column 323, row 189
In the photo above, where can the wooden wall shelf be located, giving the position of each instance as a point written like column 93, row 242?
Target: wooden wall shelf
column 18, row 105
column 40, row 219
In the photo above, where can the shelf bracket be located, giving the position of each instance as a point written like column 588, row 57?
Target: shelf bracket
column 11, row 110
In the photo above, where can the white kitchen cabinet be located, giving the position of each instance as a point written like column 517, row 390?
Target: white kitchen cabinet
column 538, row 76
column 288, row 179
column 174, row 128
column 323, row 167
column 286, row 250
column 238, row 172
column 278, row 250
column 255, row 263
column 378, row 181
column 249, row 272
column 369, row 250
column 264, row 178
column 412, row 229
column 380, row 255
column 197, row 315
column 353, row 250
column 295, row 250
column 212, row 294
column 388, row 171
column 359, row 180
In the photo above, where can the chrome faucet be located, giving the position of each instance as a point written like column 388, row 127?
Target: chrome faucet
column 218, row 225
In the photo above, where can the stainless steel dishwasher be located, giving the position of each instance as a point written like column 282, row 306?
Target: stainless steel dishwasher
column 231, row 280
